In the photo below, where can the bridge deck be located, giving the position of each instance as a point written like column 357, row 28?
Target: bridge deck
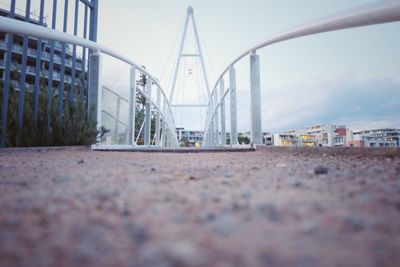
column 272, row 207
column 171, row 150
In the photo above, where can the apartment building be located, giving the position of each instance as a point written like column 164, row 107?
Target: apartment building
column 318, row 135
column 287, row 138
column 331, row 135
column 68, row 68
column 268, row 139
column 194, row 138
column 32, row 64
column 376, row 138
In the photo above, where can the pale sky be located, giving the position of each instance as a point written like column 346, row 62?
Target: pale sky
column 349, row 77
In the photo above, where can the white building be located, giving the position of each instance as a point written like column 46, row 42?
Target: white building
column 195, row 138
column 318, row 135
column 377, row 138
column 287, row 138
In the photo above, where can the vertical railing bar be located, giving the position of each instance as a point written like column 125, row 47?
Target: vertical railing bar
column 157, row 140
column 84, row 49
column 51, row 69
column 163, row 144
column 95, row 90
column 22, row 81
column 233, row 109
column 93, row 20
column 73, row 71
column 117, row 119
column 222, row 107
column 7, row 76
column 62, row 71
column 255, row 100
column 216, row 117
column 37, row 67
column 132, row 107
column 147, row 129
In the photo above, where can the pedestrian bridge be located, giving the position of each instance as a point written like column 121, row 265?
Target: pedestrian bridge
column 160, row 132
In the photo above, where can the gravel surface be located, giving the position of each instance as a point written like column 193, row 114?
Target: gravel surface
column 272, row 207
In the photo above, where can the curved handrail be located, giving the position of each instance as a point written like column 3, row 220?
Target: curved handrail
column 21, row 27
column 372, row 14
column 376, row 13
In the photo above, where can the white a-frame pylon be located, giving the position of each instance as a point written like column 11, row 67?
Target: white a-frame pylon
column 199, row 55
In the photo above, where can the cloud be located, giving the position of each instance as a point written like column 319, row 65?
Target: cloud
column 358, row 103
column 354, row 102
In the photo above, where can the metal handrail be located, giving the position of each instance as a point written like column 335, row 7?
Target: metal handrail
column 21, row 27
column 372, row 14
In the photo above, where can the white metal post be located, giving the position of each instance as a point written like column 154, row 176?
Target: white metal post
column 158, row 117
column 163, row 126
column 222, row 110
column 147, row 118
column 95, row 90
column 233, row 109
column 212, row 128
column 132, row 107
column 255, row 97
column 216, row 117
column 117, row 120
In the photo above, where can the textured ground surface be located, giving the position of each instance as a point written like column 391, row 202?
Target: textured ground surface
column 277, row 207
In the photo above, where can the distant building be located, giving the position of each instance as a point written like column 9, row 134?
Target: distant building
column 376, row 138
column 331, row 135
column 287, row 138
column 268, row 139
column 194, row 138
column 319, row 135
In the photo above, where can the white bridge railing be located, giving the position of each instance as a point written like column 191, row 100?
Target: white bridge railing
column 165, row 131
column 215, row 131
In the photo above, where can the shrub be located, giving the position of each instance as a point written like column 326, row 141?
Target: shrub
column 72, row 128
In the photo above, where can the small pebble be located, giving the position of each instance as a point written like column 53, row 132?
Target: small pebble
column 81, row 161
column 320, row 170
column 297, row 184
column 61, row 179
column 398, row 206
column 270, row 212
column 246, row 195
column 354, row 224
column 137, row 233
